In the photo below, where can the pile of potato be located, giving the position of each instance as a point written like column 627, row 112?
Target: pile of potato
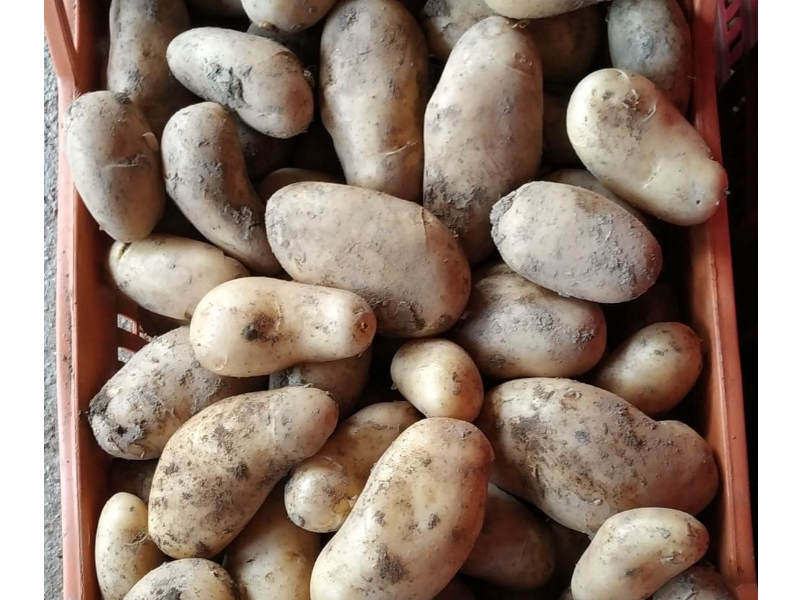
column 400, row 265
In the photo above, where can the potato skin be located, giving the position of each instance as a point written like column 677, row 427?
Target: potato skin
column 392, row 252
column 373, row 90
column 575, row 242
column 488, row 102
column 616, row 116
column 167, row 274
column 219, row 468
column 114, row 160
column 123, row 551
column 262, row 81
column 582, row 454
column 139, row 33
column 187, row 579
column 416, row 520
column 136, row 412
column 207, row 178
column 258, row 326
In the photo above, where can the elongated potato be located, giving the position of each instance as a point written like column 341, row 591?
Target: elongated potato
column 288, row 15
column 582, row 454
column 536, row 9
column 259, row 326
column 575, row 242
column 618, row 117
column 187, row 579
column 698, row 582
column 373, row 90
column 207, row 177
column 118, row 176
column 416, row 520
column 444, row 22
column 514, row 328
column 392, row 252
column 322, row 490
column 123, row 550
column 218, row 469
column 654, row 369
column 136, row 412
column 439, row 378
column 272, row 557
column 139, row 33
column 488, row 102
column 652, row 38
column 262, row 81
column 637, row 551
column 168, row 275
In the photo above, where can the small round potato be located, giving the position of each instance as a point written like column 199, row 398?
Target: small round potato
column 439, row 378
column 637, row 551
column 187, row 579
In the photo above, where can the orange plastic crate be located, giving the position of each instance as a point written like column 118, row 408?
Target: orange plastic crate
column 89, row 340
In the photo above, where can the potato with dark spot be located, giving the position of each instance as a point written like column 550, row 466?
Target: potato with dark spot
column 698, row 582
column 114, row 161
column 287, row 15
column 444, row 22
column 575, row 242
column 186, row 579
column 417, row 519
column 582, row 454
column 373, row 81
column 394, row 253
column 483, row 130
column 139, row 408
column 258, row 326
column 262, row 81
column 219, row 468
column 206, row 176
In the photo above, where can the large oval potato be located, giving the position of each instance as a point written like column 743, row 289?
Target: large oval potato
column 187, row 579
column 259, row 326
column 582, row 454
column 416, row 520
column 144, row 403
column 373, row 88
column 218, row 469
column 118, row 176
column 167, row 274
column 619, row 117
column 575, row 242
column 392, row 252
column 488, row 103
column 262, row 81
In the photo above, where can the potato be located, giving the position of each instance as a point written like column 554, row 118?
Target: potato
column 322, row 490
column 698, row 582
column 654, row 369
column 582, row 454
column 637, row 551
column 557, row 151
column 132, row 476
column 536, row 9
column 392, row 252
column 287, row 176
column 373, row 89
column 113, row 158
column 139, row 33
column 207, row 178
column 444, row 22
column 514, row 549
column 488, row 102
column 652, row 38
column 304, row 44
column 344, row 379
column 142, row 405
column 123, row 551
column 575, row 242
column 515, row 328
column 259, row 326
column 272, row 557
column 218, row 469
column 187, row 579
column 168, row 275
column 262, row 81
column 619, row 117
column 288, row 15
column 416, row 520
column 439, row 378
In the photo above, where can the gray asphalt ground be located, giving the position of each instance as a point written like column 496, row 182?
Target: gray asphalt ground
column 52, row 503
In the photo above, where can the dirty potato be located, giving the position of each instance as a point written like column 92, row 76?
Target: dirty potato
column 187, row 579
